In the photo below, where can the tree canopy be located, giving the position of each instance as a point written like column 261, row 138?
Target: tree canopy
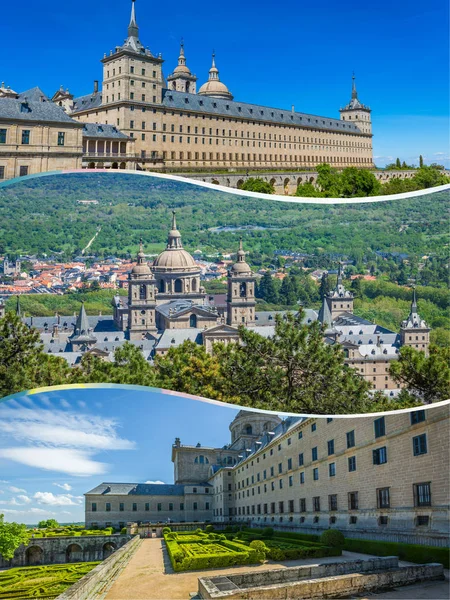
column 11, row 536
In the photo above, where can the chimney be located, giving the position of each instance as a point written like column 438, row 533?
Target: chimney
column 95, row 86
column 293, row 108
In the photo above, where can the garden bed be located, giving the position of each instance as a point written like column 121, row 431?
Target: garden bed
column 46, row 582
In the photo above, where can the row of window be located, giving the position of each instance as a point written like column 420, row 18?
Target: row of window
column 421, row 497
column 382, row 520
column 135, row 507
column 236, row 157
column 119, row 71
column 23, row 171
column 26, row 137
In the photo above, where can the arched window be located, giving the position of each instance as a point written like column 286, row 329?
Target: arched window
column 161, row 286
column 248, row 429
column 202, row 460
column 142, row 292
column 243, row 289
column 193, row 321
column 178, row 285
column 194, row 285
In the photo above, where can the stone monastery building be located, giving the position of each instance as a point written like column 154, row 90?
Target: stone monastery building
column 167, row 305
column 374, row 477
column 139, row 119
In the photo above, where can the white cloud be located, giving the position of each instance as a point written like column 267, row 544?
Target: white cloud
column 157, row 481
column 59, row 428
column 64, row 403
column 24, row 499
column 63, row 460
column 55, row 500
column 34, row 511
column 64, row 486
column 16, row 490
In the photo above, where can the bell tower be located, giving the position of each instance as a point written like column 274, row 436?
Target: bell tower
column 414, row 331
column 241, row 301
column 357, row 113
column 141, row 299
column 182, row 80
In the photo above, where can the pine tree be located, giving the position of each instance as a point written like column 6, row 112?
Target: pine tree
column 398, row 164
column 287, row 293
column 324, row 286
column 420, row 161
column 267, row 290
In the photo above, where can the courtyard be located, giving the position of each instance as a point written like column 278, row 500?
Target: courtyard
column 150, row 576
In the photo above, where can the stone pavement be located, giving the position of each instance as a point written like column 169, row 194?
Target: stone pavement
column 149, row 576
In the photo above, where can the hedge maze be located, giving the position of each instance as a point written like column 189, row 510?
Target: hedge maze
column 28, row 583
column 194, row 550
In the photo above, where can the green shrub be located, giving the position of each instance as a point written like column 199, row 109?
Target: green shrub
column 166, row 530
column 84, row 533
column 267, row 532
column 276, row 554
column 209, row 529
column 261, row 549
column 123, row 530
column 410, row 552
column 333, row 538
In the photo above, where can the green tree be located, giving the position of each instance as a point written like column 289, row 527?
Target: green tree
column 267, row 290
column 427, row 378
column 23, row 362
column 328, row 180
column 398, row 164
column 308, row 190
column 292, row 371
column 427, row 177
column 11, row 536
column 358, row 182
column 287, row 294
column 420, row 161
column 48, row 523
column 190, row 369
column 324, row 286
column 255, row 184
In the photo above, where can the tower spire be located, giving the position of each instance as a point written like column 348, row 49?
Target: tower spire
column 133, row 29
column 214, row 71
column 354, row 92
column 174, row 239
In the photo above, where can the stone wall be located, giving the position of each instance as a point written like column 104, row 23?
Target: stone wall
column 100, row 578
column 333, row 580
column 59, row 550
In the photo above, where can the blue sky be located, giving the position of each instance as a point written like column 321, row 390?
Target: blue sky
column 273, row 53
column 56, row 446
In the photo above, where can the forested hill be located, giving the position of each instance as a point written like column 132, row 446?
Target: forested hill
column 43, row 215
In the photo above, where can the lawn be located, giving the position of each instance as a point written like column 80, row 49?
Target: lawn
column 27, row 583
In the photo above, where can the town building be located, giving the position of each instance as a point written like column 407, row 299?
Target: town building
column 140, row 119
column 167, row 305
column 376, row 477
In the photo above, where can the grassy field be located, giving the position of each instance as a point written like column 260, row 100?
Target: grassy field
column 49, row 581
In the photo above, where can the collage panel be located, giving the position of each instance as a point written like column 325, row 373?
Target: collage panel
column 132, row 493
column 224, row 317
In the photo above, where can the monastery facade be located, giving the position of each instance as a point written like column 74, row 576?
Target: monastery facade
column 140, row 119
column 372, row 477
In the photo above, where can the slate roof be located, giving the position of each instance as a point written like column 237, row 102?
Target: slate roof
column 267, row 317
column 138, row 489
column 36, row 107
column 179, row 306
column 100, row 130
column 174, row 100
column 171, row 338
column 254, row 112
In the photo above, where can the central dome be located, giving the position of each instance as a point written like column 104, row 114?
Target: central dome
column 214, row 87
column 174, row 257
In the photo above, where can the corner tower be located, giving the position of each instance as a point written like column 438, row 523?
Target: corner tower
column 248, row 426
column 414, row 331
column 241, row 301
column 356, row 112
column 141, row 299
column 182, row 80
column 339, row 300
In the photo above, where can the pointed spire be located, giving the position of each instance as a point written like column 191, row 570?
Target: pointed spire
column 354, row 92
column 133, row 29
column 324, row 315
column 339, row 277
column 18, row 306
column 214, row 71
column 414, row 319
column 174, row 239
column 414, row 301
column 240, row 252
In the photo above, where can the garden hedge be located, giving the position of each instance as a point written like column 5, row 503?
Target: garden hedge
column 411, row 552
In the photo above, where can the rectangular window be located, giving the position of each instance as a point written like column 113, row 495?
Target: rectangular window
column 353, row 500
column 352, row 463
column 314, row 427
column 315, row 474
column 422, row 494
column 300, row 435
column 332, row 502
column 420, row 444
column 170, row 506
column 416, row 417
column 2, row 136
column 314, row 453
column 350, row 439
column 291, row 481
column 289, row 464
column 300, row 459
column 134, row 507
column 2, row 172
column 195, row 506
column 280, row 467
column 108, row 507
column 121, row 507
column 379, row 427
column 302, row 504
column 316, row 503
column 94, row 507
column 332, row 469
column 380, row 456
column 182, row 506
column 330, row 447
column 25, row 136
column 291, row 506
column 61, row 138
column 23, row 171
column 281, row 507
column 383, row 498
column 159, row 507
column 302, row 477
